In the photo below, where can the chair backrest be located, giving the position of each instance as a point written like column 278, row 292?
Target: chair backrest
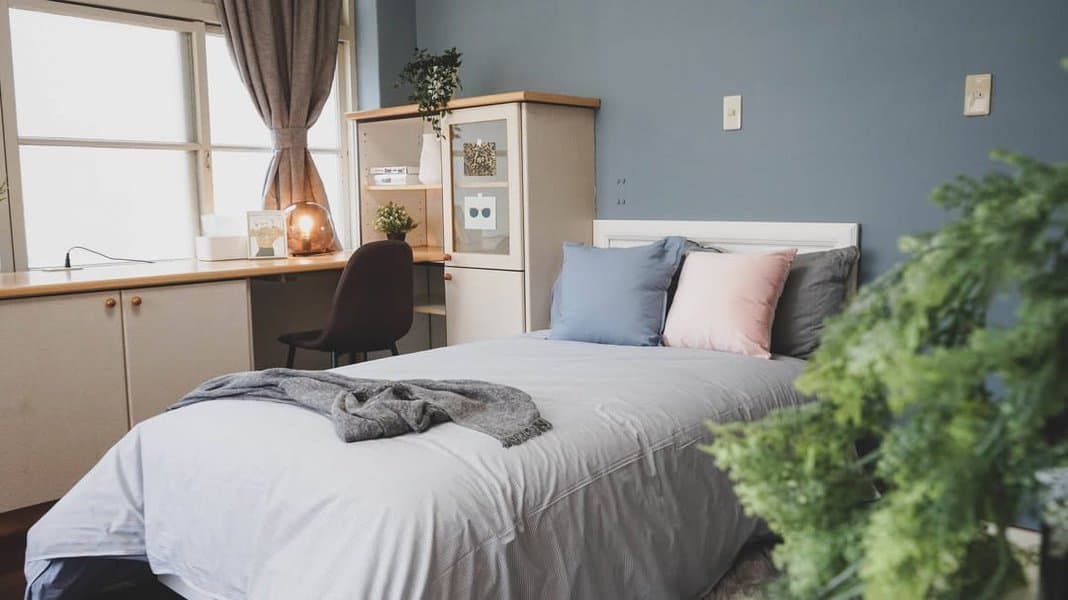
column 373, row 302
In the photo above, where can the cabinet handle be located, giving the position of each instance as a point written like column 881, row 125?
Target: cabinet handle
column 447, row 277
column 136, row 301
column 446, row 256
column 110, row 303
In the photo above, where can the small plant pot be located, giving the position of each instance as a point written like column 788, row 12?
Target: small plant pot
column 396, row 236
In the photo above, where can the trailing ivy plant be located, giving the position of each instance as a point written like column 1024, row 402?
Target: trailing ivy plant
column 966, row 401
column 434, row 78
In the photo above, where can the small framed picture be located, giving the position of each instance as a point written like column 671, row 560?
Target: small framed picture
column 267, row 234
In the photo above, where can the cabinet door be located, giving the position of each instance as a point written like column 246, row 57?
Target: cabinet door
column 62, row 392
column 482, row 304
column 179, row 336
column 483, row 188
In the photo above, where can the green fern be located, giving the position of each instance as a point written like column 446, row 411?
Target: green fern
column 966, row 409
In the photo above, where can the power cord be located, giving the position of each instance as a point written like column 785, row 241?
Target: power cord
column 66, row 261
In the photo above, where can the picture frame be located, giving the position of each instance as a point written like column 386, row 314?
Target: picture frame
column 266, row 234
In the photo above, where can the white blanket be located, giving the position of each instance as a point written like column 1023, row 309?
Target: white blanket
column 259, row 500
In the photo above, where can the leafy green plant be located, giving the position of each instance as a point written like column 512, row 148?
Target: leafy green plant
column 957, row 362
column 393, row 218
column 434, row 79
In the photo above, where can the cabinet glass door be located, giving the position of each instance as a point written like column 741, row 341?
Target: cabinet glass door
column 482, row 179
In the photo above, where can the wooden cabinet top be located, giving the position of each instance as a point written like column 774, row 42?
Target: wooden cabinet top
column 412, row 110
column 24, row 284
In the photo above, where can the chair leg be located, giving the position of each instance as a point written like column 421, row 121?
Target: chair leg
column 291, row 356
column 393, row 349
column 333, row 360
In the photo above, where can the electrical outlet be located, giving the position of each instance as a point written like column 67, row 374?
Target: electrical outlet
column 732, row 113
column 977, row 95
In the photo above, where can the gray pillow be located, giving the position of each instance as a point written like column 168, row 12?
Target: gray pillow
column 815, row 289
column 614, row 295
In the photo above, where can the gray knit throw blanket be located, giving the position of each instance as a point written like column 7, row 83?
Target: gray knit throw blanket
column 365, row 409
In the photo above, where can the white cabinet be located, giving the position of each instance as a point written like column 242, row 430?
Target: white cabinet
column 483, row 304
column 518, row 182
column 62, row 392
column 77, row 370
column 178, row 336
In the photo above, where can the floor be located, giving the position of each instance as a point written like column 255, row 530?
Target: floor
column 751, row 570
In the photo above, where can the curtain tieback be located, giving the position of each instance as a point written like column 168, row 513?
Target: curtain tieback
column 290, row 137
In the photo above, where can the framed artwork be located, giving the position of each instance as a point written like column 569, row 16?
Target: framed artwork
column 266, row 234
column 480, row 212
column 480, row 159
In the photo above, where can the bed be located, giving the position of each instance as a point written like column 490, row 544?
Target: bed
column 234, row 499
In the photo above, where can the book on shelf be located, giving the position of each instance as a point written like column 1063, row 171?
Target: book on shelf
column 394, row 179
column 394, row 170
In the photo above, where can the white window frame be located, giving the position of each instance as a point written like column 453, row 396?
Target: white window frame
column 13, row 254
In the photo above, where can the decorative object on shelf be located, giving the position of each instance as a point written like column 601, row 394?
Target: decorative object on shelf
column 266, row 234
column 430, row 160
column 480, row 212
column 480, row 159
column 953, row 363
column 310, row 230
column 434, row 79
column 394, row 221
column 395, row 175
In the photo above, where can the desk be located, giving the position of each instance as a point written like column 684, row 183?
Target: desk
column 24, row 284
column 92, row 352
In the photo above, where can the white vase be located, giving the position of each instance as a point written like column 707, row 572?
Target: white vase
column 430, row 160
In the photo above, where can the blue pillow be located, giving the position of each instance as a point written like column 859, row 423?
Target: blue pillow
column 614, row 295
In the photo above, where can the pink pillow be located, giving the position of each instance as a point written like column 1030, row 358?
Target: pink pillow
column 726, row 302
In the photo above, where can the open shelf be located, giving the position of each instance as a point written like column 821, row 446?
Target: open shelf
column 430, row 306
column 408, row 187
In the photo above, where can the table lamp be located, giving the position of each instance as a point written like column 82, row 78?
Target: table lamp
column 310, row 230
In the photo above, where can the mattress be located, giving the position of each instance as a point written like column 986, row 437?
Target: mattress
column 237, row 499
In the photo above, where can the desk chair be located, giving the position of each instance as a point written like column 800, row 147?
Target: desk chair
column 372, row 306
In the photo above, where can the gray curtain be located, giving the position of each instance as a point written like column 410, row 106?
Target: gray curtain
column 286, row 52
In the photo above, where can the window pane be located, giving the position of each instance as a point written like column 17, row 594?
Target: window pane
column 83, row 78
column 129, row 203
column 234, row 120
column 237, row 179
column 329, row 166
column 324, row 134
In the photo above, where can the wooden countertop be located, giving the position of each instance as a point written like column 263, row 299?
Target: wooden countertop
column 123, row 276
column 412, row 110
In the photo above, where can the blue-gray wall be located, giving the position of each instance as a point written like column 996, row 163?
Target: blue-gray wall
column 385, row 39
column 851, row 108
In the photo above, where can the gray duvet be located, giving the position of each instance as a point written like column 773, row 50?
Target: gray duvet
column 234, row 499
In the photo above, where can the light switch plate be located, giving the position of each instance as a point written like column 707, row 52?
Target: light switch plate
column 732, row 113
column 977, row 95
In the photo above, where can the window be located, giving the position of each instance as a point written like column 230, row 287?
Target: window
column 241, row 143
column 112, row 150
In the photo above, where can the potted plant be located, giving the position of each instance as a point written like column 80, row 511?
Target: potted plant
column 434, row 78
column 394, row 221
column 956, row 362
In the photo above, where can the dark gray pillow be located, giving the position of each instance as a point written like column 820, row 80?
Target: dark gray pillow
column 815, row 289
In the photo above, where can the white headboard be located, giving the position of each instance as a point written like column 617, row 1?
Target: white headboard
column 731, row 236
